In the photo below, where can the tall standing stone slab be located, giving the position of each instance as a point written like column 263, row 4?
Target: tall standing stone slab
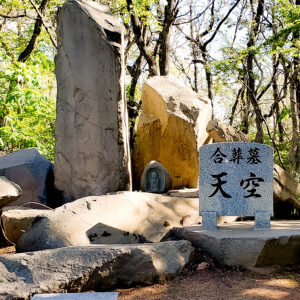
column 92, row 150
column 236, row 179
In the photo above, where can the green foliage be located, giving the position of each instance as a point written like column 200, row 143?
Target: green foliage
column 286, row 40
column 146, row 10
column 27, row 116
column 27, row 90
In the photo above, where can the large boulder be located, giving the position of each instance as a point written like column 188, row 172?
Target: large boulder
column 125, row 217
column 92, row 149
column 170, row 130
column 33, row 173
column 97, row 267
column 9, row 191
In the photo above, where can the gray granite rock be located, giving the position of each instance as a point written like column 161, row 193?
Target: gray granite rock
column 33, row 173
column 92, row 150
column 236, row 179
column 237, row 244
column 95, row 267
column 120, row 218
column 9, row 191
column 155, row 178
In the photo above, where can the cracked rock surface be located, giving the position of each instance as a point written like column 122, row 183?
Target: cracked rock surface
column 92, row 151
column 95, row 267
column 120, row 218
column 170, row 130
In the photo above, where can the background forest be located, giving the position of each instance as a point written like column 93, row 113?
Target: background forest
column 244, row 55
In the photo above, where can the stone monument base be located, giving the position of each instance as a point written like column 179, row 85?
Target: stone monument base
column 239, row 244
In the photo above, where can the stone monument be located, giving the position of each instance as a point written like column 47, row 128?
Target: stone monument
column 155, row 178
column 236, row 179
column 92, row 149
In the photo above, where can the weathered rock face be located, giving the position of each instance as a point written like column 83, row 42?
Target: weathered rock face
column 33, row 173
column 9, row 191
column 222, row 132
column 171, row 129
column 92, row 152
column 16, row 220
column 97, row 267
column 125, row 217
column 237, row 244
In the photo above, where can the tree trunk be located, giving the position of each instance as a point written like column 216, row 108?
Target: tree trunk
column 194, row 50
column 276, row 100
column 251, row 95
column 294, row 155
column 164, row 39
column 36, row 32
column 133, row 106
column 139, row 31
column 208, row 75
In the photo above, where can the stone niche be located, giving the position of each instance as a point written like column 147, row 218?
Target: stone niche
column 171, row 128
column 92, row 149
column 155, row 178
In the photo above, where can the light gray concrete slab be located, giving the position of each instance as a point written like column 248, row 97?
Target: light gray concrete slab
column 238, row 244
column 245, row 229
column 79, row 296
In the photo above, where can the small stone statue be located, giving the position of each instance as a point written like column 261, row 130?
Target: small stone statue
column 155, row 178
column 154, row 181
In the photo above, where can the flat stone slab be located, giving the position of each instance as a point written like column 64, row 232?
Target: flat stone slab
column 238, row 244
column 79, row 296
column 88, row 268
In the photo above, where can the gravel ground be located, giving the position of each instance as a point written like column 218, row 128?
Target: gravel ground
column 208, row 281
column 220, row 283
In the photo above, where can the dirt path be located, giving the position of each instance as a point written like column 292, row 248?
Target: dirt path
column 210, row 283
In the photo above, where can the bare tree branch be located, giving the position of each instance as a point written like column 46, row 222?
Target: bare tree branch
column 221, row 23
column 36, row 32
column 45, row 26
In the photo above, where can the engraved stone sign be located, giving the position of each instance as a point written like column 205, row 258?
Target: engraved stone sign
column 236, row 179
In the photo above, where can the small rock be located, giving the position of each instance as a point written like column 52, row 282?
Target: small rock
column 202, row 266
column 166, row 224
